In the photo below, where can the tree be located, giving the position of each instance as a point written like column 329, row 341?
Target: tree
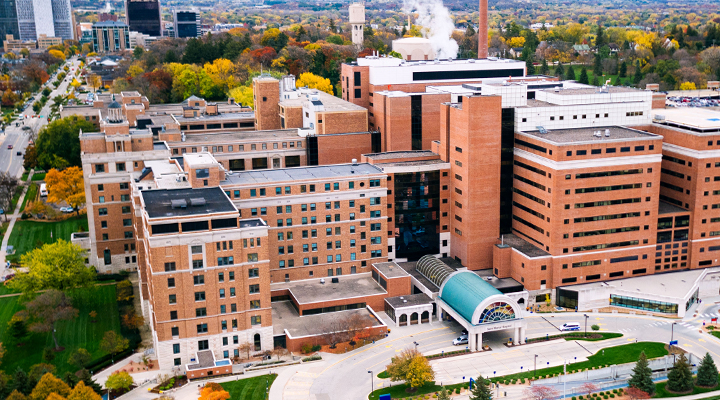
column 588, row 388
column 70, row 378
column 113, row 343
column 138, row 52
column 584, row 77
column 544, row 69
column 124, row 291
column 480, row 390
column 66, row 185
column 636, row 394
column 443, row 395
column 59, row 266
column 529, row 66
column 280, row 351
column 570, row 73
column 2, row 352
column 58, row 142
column 688, row 86
column 21, row 382
column 540, row 392
column 707, row 375
column 8, row 186
column 680, row 378
column 213, row 391
column 419, row 372
column 120, row 380
column 95, row 81
column 560, row 71
column 243, row 95
column 48, row 355
column 274, row 38
column 86, row 378
column 79, row 357
column 82, row 392
column 57, row 54
column 38, row 370
column 398, row 365
column 622, row 72
column 49, row 384
column 17, row 329
column 46, row 310
column 641, row 377
column 15, row 395
column 308, row 79
column 246, row 347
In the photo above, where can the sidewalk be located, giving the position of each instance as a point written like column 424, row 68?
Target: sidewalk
column 3, row 248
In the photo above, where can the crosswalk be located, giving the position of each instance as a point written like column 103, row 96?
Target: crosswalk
column 679, row 325
column 708, row 315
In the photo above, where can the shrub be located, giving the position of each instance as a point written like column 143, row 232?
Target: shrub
column 612, row 396
column 574, row 398
column 317, row 347
column 457, row 390
column 306, row 348
column 580, row 397
column 312, row 358
column 605, row 397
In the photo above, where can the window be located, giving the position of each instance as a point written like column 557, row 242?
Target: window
column 169, row 266
column 255, row 320
column 173, row 299
column 254, row 289
column 254, row 304
column 199, row 296
column 201, row 312
column 199, row 279
column 253, row 273
column 173, row 315
column 99, row 168
column 197, row 264
column 202, row 328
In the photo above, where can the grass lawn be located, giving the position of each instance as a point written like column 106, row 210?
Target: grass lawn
column 79, row 332
column 29, row 196
column 715, row 333
column 38, row 176
column 250, row 388
column 26, row 234
column 6, row 290
column 24, row 176
column 660, row 391
column 609, row 356
column 398, row 391
column 13, row 202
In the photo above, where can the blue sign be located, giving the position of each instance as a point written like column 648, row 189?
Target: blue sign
column 385, row 397
column 673, row 342
column 471, row 383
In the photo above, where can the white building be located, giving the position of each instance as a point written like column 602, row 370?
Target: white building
column 357, row 23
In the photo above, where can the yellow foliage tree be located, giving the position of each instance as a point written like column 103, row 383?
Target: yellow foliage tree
column 135, row 70
column 414, row 31
column 57, row 54
column 66, row 185
column 75, row 83
column 82, row 392
column 688, row 86
column 243, row 95
column 312, row 46
column 48, row 385
column 516, row 42
column 314, row 82
column 221, row 72
column 213, row 391
column 419, row 372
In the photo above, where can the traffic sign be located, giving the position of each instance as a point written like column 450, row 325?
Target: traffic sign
column 673, row 342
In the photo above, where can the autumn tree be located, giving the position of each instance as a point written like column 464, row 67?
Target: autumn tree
column 80, row 357
column 213, row 391
column 49, row 384
column 66, row 185
column 274, row 38
column 83, row 392
column 636, row 394
column 8, row 186
column 246, row 347
column 588, row 388
column 38, row 370
column 313, row 81
column 95, row 81
column 419, row 372
column 113, row 343
column 707, row 375
column 641, row 377
column 59, row 266
column 15, row 395
column 46, row 310
column 120, row 380
column 243, row 95
column 540, row 392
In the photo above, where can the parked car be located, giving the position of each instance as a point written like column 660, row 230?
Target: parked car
column 67, row 210
column 10, row 147
column 570, row 326
column 461, row 340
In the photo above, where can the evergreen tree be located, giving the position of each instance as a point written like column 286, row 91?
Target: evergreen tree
column 16, row 330
column 597, row 65
column 87, row 379
column 638, row 74
column 544, row 69
column 480, row 390
column 570, row 73
column 332, row 26
column 530, row 66
column 707, row 372
column 641, row 377
column 560, row 70
column 584, row 79
column 443, row 395
column 680, row 378
column 596, row 81
column 48, row 355
column 171, row 57
column 623, row 70
column 71, row 379
column 21, row 382
column 600, row 38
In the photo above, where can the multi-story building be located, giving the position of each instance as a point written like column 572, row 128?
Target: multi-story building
column 28, row 19
column 186, row 23
column 9, row 20
column 144, row 16
column 11, row 44
column 43, row 42
column 110, row 36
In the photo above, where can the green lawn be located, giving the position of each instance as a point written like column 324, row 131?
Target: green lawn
column 38, row 177
column 250, row 388
column 13, row 202
column 6, row 290
column 398, row 391
column 24, row 176
column 29, row 196
column 79, row 332
column 660, row 391
column 27, row 234
column 609, row 356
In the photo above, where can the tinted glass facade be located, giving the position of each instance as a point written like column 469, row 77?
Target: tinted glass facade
column 416, row 121
column 8, row 19
column 417, row 219
column 506, row 169
column 144, row 16
column 642, row 304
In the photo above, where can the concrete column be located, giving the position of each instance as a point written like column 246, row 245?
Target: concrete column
column 430, row 317
column 522, row 335
column 472, row 338
column 397, row 321
column 517, row 334
column 438, row 311
column 480, row 342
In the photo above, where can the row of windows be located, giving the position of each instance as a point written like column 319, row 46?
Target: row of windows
column 609, row 188
column 608, row 173
column 231, row 148
column 100, row 168
column 606, row 245
column 606, row 217
column 608, row 150
column 530, row 182
column 280, row 190
column 606, row 231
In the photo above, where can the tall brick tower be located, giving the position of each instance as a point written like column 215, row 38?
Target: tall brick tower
column 483, row 30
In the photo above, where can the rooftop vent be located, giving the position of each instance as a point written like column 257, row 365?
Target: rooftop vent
column 542, row 129
column 198, row 201
column 607, row 132
column 335, row 280
column 354, row 161
column 179, row 203
column 322, row 281
column 597, row 134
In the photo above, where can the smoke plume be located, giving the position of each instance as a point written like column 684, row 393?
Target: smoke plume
column 437, row 26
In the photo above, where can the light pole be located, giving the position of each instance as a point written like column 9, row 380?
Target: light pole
column 672, row 334
column 586, row 318
column 564, row 376
column 372, row 381
column 535, row 371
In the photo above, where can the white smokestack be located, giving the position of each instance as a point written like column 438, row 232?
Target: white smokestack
column 437, row 26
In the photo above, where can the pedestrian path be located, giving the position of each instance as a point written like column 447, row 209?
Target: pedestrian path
column 679, row 325
column 16, row 214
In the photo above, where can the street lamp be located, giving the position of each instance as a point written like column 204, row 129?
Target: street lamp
column 372, row 381
column 535, row 371
column 586, row 318
column 672, row 334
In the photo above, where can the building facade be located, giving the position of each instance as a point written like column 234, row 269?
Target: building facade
column 144, row 16
column 110, row 36
column 186, row 23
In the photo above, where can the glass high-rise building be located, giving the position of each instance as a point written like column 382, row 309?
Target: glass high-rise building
column 186, row 23
column 8, row 19
column 28, row 19
column 144, row 16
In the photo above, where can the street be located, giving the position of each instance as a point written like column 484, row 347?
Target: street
column 18, row 138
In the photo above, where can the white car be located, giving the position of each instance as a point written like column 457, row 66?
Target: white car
column 67, row 210
column 570, row 326
column 463, row 339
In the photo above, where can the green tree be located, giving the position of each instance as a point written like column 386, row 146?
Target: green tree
column 544, row 69
column 638, row 74
column 119, row 381
column 332, row 26
column 444, row 394
column 138, row 52
column 58, row 142
column 707, row 374
column 70, row 378
column 570, row 73
column 597, row 65
column 680, row 378
column 49, row 384
column 84, row 375
column 46, row 310
column 641, row 377
column 48, row 355
column 38, row 370
column 560, row 70
column 600, row 37
column 481, row 390
column 113, row 343
column 60, row 266
column 80, row 357
column 584, row 79
column 17, row 329
column 274, row 38
column 21, row 382
column 529, row 66
column 335, row 39
column 622, row 73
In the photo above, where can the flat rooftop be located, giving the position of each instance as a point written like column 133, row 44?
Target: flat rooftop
column 285, row 317
column 504, row 285
column 324, row 172
column 523, row 246
column 289, row 134
column 672, row 284
column 586, row 135
column 165, row 203
column 409, row 267
column 205, row 359
column 408, row 301
column 575, row 91
column 348, row 286
column 218, row 117
column 667, row 208
column 330, row 102
column 392, row 155
column 698, row 120
column 390, row 270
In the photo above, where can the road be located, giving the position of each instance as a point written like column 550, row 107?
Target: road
column 17, row 137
